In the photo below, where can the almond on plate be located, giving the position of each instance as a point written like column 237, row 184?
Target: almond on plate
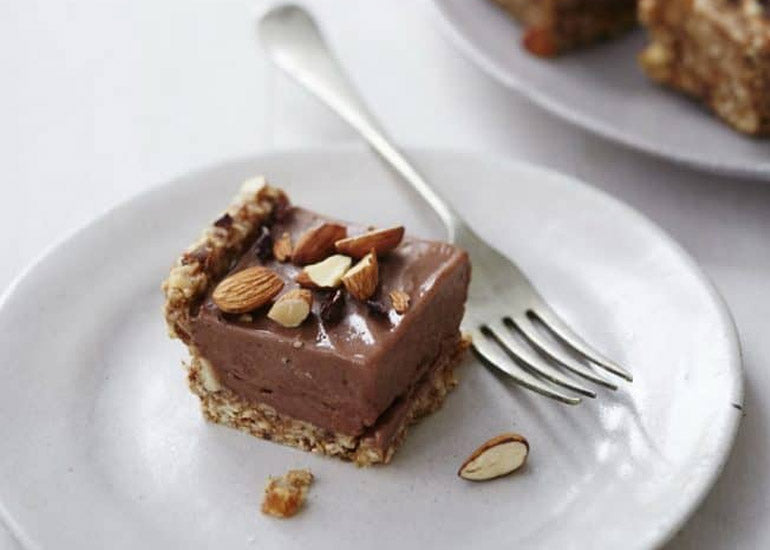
column 379, row 240
column 497, row 457
column 247, row 290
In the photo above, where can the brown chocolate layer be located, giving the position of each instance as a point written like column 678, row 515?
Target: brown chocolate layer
column 344, row 376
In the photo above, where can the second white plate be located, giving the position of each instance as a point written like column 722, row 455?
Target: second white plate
column 603, row 90
column 103, row 446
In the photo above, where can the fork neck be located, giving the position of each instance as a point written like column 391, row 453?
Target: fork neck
column 451, row 219
column 296, row 45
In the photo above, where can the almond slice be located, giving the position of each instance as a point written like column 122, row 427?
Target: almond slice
column 497, row 457
column 361, row 280
column 325, row 274
column 282, row 248
column 381, row 240
column 400, row 300
column 292, row 308
column 247, row 290
column 317, row 243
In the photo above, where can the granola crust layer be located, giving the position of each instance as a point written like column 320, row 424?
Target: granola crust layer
column 222, row 406
column 717, row 51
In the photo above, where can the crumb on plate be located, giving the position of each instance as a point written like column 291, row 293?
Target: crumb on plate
column 285, row 495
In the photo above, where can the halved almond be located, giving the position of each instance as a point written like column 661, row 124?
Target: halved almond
column 381, row 240
column 247, row 290
column 361, row 280
column 497, row 457
column 400, row 300
column 317, row 243
column 282, row 248
column 325, row 274
column 292, row 308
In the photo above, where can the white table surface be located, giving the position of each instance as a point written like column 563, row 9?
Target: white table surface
column 101, row 99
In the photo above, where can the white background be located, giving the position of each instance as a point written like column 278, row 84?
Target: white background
column 100, row 99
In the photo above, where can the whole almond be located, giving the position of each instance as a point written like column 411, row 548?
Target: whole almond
column 361, row 280
column 282, row 248
column 292, row 308
column 317, row 243
column 400, row 300
column 325, row 274
column 379, row 240
column 247, row 290
column 497, row 457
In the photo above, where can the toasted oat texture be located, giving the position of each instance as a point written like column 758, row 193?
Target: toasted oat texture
column 224, row 407
column 556, row 26
column 285, row 495
column 717, row 51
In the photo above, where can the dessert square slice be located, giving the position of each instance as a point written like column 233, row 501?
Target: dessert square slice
column 340, row 365
column 717, row 51
column 555, row 26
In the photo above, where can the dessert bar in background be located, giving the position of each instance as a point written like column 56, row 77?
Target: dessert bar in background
column 318, row 334
column 717, row 51
column 556, row 26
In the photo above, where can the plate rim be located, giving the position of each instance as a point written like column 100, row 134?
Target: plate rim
column 607, row 132
column 666, row 530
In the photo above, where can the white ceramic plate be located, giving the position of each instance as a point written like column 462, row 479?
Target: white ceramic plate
column 603, row 90
column 104, row 447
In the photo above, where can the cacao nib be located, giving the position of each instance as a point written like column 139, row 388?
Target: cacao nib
column 263, row 246
column 377, row 308
column 225, row 221
column 333, row 307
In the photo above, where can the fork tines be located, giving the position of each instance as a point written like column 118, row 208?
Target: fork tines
column 532, row 354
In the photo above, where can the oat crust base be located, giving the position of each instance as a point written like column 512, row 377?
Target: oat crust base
column 222, row 406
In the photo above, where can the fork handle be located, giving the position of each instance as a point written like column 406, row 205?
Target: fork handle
column 295, row 44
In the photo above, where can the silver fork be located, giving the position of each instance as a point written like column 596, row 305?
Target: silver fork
column 504, row 309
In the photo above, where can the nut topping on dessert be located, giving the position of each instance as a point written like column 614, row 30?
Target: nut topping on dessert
column 381, row 240
column 497, row 457
column 292, row 308
column 285, row 495
column 325, row 274
column 317, row 243
column 247, row 290
column 361, row 280
column 400, row 300
column 282, row 248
